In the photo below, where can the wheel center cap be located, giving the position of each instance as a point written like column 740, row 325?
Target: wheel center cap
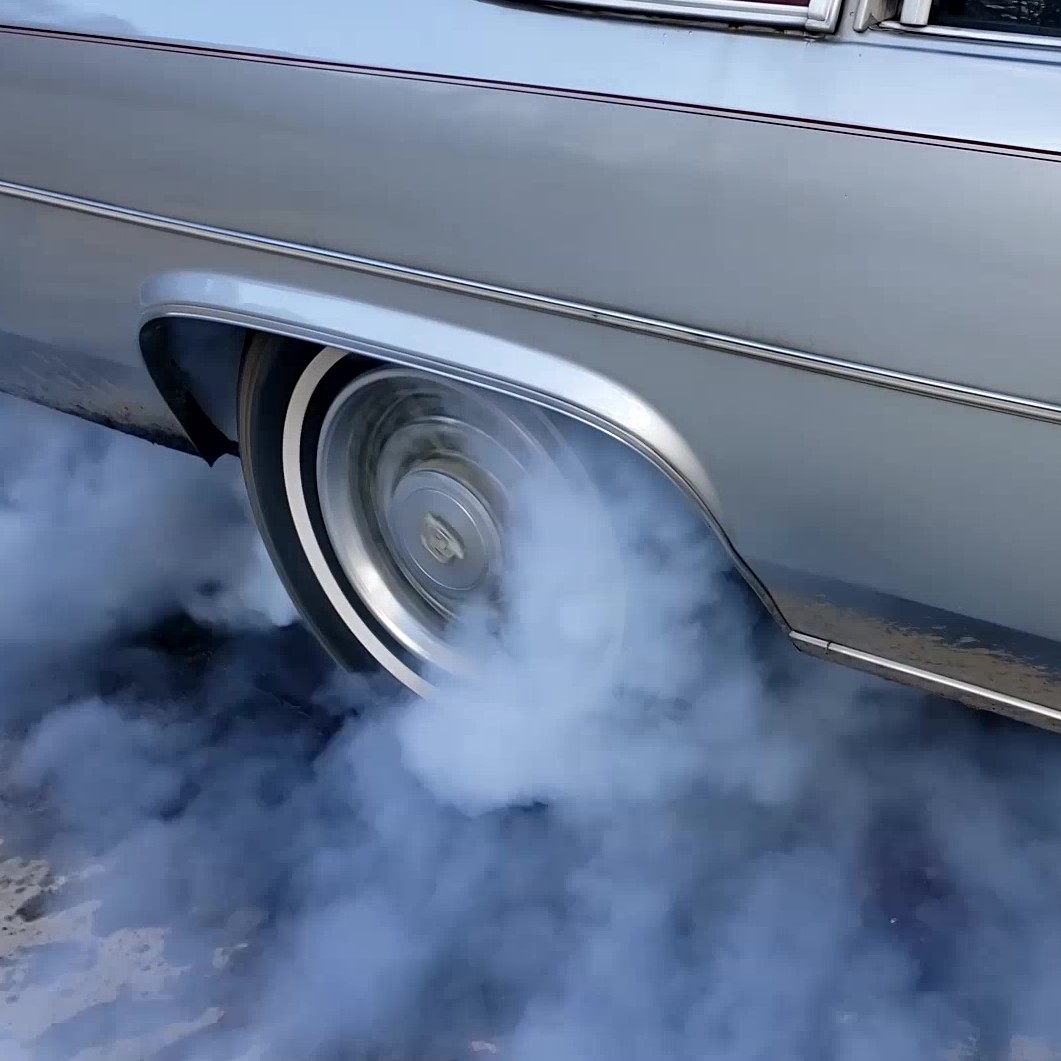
column 443, row 535
column 440, row 540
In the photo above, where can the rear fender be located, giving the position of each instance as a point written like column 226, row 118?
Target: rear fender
column 399, row 337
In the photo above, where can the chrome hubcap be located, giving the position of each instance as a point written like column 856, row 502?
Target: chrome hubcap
column 416, row 477
column 445, row 536
column 440, row 540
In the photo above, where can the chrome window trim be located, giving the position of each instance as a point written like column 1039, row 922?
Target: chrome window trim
column 838, row 368
column 817, row 16
column 980, row 36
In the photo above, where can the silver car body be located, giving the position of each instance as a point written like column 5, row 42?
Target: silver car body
column 813, row 274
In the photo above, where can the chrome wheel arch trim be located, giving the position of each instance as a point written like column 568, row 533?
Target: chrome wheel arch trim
column 460, row 354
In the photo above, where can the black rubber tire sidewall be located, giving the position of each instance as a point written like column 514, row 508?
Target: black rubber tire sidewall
column 271, row 368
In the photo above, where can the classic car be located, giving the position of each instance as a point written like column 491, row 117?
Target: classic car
column 800, row 255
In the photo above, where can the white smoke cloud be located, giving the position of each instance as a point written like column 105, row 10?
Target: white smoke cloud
column 595, row 691
column 99, row 532
column 665, row 838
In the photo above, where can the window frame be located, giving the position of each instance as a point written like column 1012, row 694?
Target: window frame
column 814, row 16
column 913, row 17
column 1028, row 39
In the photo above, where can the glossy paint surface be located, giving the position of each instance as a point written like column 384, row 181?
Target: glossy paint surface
column 842, row 198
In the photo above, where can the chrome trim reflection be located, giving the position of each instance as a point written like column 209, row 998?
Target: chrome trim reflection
column 981, row 36
column 604, row 406
column 930, row 682
column 818, row 16
column 838, row 368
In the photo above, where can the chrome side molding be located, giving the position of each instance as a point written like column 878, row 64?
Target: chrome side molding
column 930, row 682
column 838, row 368
column 817, row 16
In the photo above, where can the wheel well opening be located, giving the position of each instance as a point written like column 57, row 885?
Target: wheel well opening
column 195, row 364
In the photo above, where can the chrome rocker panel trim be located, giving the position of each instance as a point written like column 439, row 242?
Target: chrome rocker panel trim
column 972, row 695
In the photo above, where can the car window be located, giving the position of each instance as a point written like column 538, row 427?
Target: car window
column 1011, row 16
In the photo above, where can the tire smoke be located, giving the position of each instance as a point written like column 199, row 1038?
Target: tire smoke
column 645, row 830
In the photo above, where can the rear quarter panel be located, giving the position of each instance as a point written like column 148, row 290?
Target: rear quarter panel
column 837, row 198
